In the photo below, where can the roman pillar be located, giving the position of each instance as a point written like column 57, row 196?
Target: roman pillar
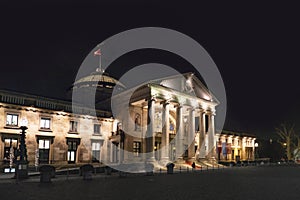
column 179, row 134
column 243, row 145
column 165, row 133
column 211, row 146
column 254, row 150
column 191, row 134
column 150, row 131
column 201, row 142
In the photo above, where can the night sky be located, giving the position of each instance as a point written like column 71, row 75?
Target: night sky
column 255, row 46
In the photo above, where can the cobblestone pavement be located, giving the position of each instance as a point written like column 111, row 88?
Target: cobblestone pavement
column 268, row 182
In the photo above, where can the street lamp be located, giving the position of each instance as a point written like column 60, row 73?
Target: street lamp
column 22, row 163
column 255, row 150
column 284, row 144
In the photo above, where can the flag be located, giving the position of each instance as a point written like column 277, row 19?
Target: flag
column 97, row 53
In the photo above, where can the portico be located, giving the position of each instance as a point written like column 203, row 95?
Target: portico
column 170, row 121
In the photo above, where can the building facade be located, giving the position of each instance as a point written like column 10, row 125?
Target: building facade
column 55, row 135
column 233, row 146
column 170, row 119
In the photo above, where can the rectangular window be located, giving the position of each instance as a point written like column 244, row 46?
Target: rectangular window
column 45, row 123
column 44, row 150
column 44, row 144
column 10, row 146
column 97, row 128
column 72, row 148
column 73, row 126
column 136, row 148
column 71, row 156
column 12, row 119
column 96, row 151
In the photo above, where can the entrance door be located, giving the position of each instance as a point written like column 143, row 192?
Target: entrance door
column 115, row 152
column 172, row 152
column 186, row 151
column 157, row 146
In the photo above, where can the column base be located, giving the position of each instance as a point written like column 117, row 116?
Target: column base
column 192, row 159
column 200, row 154
column 151, row 160
column 180, row 160
column 212, row 160
column 164, row 161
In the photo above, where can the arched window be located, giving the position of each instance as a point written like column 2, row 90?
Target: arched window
column 137, row 122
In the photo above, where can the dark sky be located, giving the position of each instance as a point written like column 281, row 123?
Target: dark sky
column 254, row 45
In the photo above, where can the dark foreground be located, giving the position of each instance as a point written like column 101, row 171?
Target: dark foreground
column 269, row 182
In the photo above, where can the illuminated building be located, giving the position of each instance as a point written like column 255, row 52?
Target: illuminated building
column 181, row 107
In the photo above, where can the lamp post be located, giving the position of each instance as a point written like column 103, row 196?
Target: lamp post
column 255, row 150
column 22, row 163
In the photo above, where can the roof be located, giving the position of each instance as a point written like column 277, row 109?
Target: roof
column 98, row 79
column 33, row 101
column 240, row 134
column 201, row 91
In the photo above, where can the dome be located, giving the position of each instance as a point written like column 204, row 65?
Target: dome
column 104, row 85
column 97, row 79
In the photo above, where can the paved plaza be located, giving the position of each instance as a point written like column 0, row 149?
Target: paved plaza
column 262, row 182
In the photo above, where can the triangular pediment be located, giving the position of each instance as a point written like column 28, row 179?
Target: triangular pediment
column 187, row 83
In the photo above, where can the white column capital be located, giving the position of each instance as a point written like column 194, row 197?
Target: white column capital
column 191, row 108
column 178, row 106
column 210, row 112
column 165, row 102
column 201, row 110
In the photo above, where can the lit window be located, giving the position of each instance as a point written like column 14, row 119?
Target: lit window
column 45, row 123
column 73, row 126
column 96, row 147
column 44, row 151
column 97, row 128
column 10, row 146
column 171, row 126
column 44, row 144
column 136, row 148
column 72, row 148
column 12, row 119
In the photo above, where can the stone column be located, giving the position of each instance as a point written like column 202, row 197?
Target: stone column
column 254, row 150
column 144, row 133
column 150, row 131
column 121, row 153
column 111, row 152
column 127, row 145
column 243, row 148
column 211, row 146
column 201, row 142
column 191, row 134
column 165, row 133
column 179, row 134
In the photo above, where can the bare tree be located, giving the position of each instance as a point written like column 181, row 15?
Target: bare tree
column 287, row 138
column 297, row 147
